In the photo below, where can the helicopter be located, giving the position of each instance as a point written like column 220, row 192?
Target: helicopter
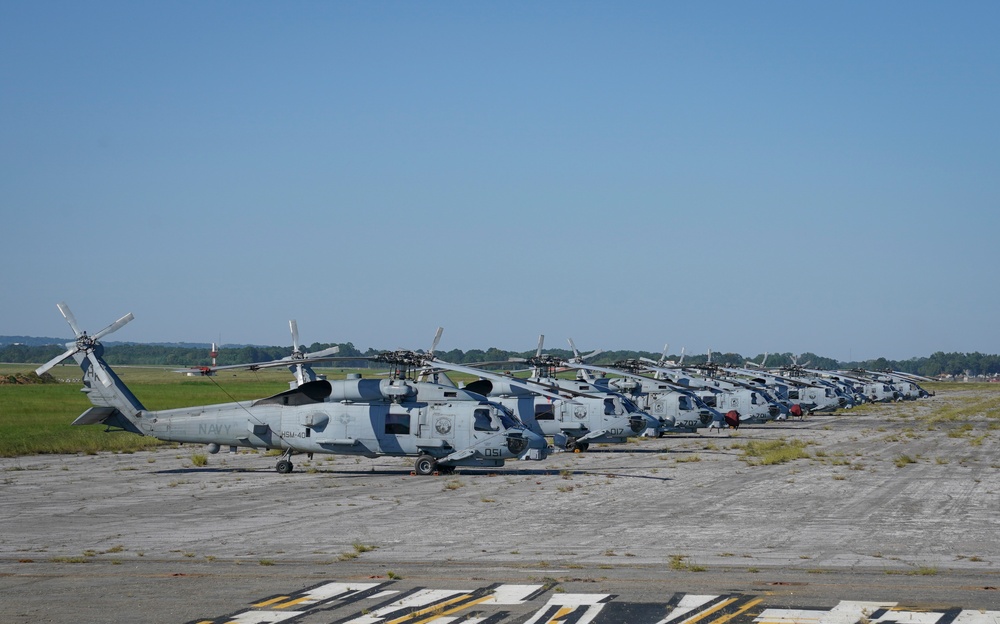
column 676, row 406
column 362, row 417
column 576, row 416
column 752, row 403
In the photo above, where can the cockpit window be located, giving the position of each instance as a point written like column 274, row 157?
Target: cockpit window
column 753, row 398
column 629, row 405
column 507, row 418
column 483, row 421
column 684, row 402
column 609, row 407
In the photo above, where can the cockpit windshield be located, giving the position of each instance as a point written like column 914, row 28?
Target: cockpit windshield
column 507, row 417
column 629, row 405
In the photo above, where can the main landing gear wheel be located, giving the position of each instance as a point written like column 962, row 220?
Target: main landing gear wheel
column 425, row 465
column 576, row 447
column 283, row 466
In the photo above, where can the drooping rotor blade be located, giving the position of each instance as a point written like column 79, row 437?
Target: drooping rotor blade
column 623, row 373
column 68, row 315
column 294, row 326
column 113, row 327
column 59, row 358
column 437, row 339
column 572, row 346
column 287, row 361
column 99, row 370
column 324, row 352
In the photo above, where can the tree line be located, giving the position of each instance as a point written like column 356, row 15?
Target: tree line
column 939, row 363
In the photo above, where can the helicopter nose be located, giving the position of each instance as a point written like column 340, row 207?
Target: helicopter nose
column 535, row 445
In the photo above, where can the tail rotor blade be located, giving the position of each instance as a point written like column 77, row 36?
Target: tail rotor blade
column 114, row 326
column 68, row 315
column 541, row 341
column 59, row 358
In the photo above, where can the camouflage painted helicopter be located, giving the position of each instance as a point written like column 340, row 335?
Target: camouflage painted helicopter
column 573, row 417
column 752, row 403
column 677, row 407
column 362, row 417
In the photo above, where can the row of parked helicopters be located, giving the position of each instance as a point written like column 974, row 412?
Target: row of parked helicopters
column 418, row 411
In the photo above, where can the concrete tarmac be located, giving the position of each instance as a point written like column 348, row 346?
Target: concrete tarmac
column 892, row 504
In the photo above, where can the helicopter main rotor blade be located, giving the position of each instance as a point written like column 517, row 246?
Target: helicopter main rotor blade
column 294, row 327
column 437, row 339
column 530, row 386
column 325, row 352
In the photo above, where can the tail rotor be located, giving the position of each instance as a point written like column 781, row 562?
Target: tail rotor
column 85, row 344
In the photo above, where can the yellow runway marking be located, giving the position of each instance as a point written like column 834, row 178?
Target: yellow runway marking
column 431, row 609
column 560, row 614
column 705, row 614
column 455, row 609
column 290, row 603
column 746, row 607
column 270, row 602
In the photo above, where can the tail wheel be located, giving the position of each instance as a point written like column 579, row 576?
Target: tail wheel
column 425, row 465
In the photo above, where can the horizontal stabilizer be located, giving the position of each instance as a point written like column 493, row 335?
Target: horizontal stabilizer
column 95, row 415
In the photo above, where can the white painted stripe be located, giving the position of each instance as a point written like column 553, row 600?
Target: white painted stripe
column 512, row 594
column 910, row 617
column 687, row 604
column 589, row 601
column 332, row 590
column 847, row 612
column 421, row 598
column 264, row 617
column 577, row 599
column 790, row 616
column 978, row 617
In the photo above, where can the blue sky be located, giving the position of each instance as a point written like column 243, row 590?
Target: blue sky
column 740, row 176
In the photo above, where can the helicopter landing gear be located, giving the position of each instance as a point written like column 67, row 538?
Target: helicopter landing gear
column 576, row 447
column 425, row 465
column 284, row 465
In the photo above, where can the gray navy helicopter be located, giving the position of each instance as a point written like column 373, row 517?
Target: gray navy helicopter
column 573, row 416
column 443, row 428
